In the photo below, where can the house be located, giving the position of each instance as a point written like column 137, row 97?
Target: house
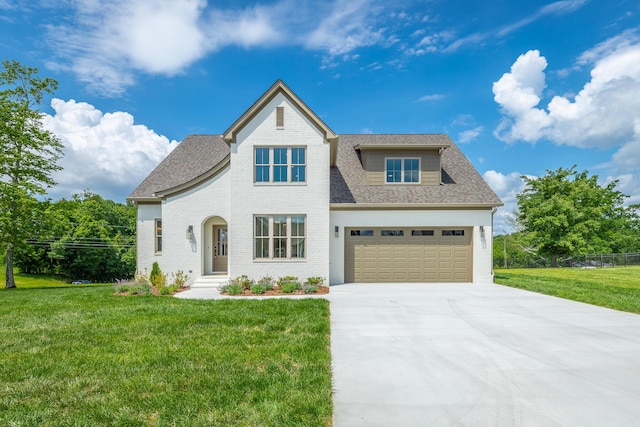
column 279, row 193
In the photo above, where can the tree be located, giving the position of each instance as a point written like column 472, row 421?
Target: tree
column 28, row 156
column 567, row 213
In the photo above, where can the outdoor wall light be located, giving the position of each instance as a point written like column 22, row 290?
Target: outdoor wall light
column 190, row 232
column 482, row 231
column 337, row 229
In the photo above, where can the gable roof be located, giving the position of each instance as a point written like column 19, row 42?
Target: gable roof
column 462, row 186
column 275, row 89
column 195, row 159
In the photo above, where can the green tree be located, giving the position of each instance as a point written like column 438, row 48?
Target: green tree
column 567, row 213
column 28, row 156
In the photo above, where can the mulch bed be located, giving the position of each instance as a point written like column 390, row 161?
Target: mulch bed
column 276, row 292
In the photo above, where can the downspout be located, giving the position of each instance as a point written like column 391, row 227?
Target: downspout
column 493, row 211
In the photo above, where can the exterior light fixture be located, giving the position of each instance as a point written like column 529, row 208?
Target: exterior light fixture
column 190, row 232
column 337, row 230
column 482, row 231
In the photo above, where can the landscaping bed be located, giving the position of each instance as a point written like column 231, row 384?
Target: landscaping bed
column 268, row 286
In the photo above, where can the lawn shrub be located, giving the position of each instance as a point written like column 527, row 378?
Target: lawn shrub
column 139, row 286
column 309, row 289
column 315, row 281
column 267, row 282
column 258, row 289
column 156, row 277
column 289, row 287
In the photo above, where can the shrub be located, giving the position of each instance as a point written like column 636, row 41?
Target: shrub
column 309, row 289
column 140, row 286
column 243, row 281
column 156, row 277
column 234, row 289
column 179, row 278
column 288, row 287
column 267, row 282
column 285, row 279
column 258, row 289
column 316, row 281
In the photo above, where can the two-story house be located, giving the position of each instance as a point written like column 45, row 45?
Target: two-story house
column 279, row 193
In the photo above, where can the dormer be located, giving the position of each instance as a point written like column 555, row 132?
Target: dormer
column 403, row 159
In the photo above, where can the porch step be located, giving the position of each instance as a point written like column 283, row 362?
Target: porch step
column 210, row 281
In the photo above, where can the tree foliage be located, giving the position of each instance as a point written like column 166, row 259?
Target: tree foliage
column 567, row 213
column 28, row 156
column 87, row 237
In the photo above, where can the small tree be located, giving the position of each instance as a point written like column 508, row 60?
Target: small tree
column 567, row 213
column 28, row 156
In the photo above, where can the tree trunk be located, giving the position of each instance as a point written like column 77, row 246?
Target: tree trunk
column 10, row 283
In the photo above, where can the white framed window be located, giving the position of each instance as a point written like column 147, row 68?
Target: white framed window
column 279, row 237
column 157, row 227
column 402, row 170
column 277, row 165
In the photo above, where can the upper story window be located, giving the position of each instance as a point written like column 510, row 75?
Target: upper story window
column 280, row 164
column 402, row 170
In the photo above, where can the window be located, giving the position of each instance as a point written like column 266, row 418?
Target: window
column 279, row 237
column 280, row 164
column 453, row 232
column 399, row 170
column 392, row 232
column 158, row 235
column 362, row 233
column 422, row 233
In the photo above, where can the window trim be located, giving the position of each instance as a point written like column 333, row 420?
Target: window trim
column 157, row 235
column 402, row 171
column 271, row 165
column 287, row 235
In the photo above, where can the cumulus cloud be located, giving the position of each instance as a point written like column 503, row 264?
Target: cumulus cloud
column 105, row 45
column 506, row 187
column 103, row 152
column 470, row 134
column 604, row 114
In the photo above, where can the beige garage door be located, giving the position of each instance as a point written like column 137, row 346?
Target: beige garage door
column 401, row 254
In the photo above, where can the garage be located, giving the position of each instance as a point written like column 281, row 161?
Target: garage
column 408, row 254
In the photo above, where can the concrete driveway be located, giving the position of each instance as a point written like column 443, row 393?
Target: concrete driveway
column 480, row 355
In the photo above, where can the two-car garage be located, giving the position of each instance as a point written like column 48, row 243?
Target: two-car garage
column 408, row 254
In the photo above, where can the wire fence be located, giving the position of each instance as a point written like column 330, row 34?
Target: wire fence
column 583, row 261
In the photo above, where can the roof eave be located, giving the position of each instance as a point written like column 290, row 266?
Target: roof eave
column 413, row 206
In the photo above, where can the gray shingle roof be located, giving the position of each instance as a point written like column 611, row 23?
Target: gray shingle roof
column 462, row 184
column 193, row 157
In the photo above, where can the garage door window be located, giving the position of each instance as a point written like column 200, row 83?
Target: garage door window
column 394, row 233
column 422, row 232
column 362, row 233
column 453, row 232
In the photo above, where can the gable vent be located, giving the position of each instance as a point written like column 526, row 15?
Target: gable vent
column 280, row 117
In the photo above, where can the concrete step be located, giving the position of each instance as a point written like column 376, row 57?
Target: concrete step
column 210, row 281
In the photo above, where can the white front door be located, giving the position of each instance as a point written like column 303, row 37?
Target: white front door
column 220, row 248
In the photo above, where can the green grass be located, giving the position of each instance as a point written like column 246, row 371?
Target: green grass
column 617, row 288
column 82, row 356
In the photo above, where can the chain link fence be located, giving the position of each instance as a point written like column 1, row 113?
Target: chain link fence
column 583, row 261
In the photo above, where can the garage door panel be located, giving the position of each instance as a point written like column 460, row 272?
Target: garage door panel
column 408, row 258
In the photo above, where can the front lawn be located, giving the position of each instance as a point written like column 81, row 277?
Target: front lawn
column 82, row 356
column 617, row 288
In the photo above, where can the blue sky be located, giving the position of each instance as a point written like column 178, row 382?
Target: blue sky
column 522, row 87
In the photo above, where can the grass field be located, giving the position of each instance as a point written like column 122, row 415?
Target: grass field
column 78, row 355
column 617, row 288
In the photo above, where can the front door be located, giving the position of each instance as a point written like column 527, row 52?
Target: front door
column 220, row 248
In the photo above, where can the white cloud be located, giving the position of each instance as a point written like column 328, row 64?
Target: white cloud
column 431, row 97
column 506, row 187
column 347, row 27
column 104, row 152
column 470, row 134
column 604, row 114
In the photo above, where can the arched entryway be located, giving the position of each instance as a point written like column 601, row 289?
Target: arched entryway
column 216, row 246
